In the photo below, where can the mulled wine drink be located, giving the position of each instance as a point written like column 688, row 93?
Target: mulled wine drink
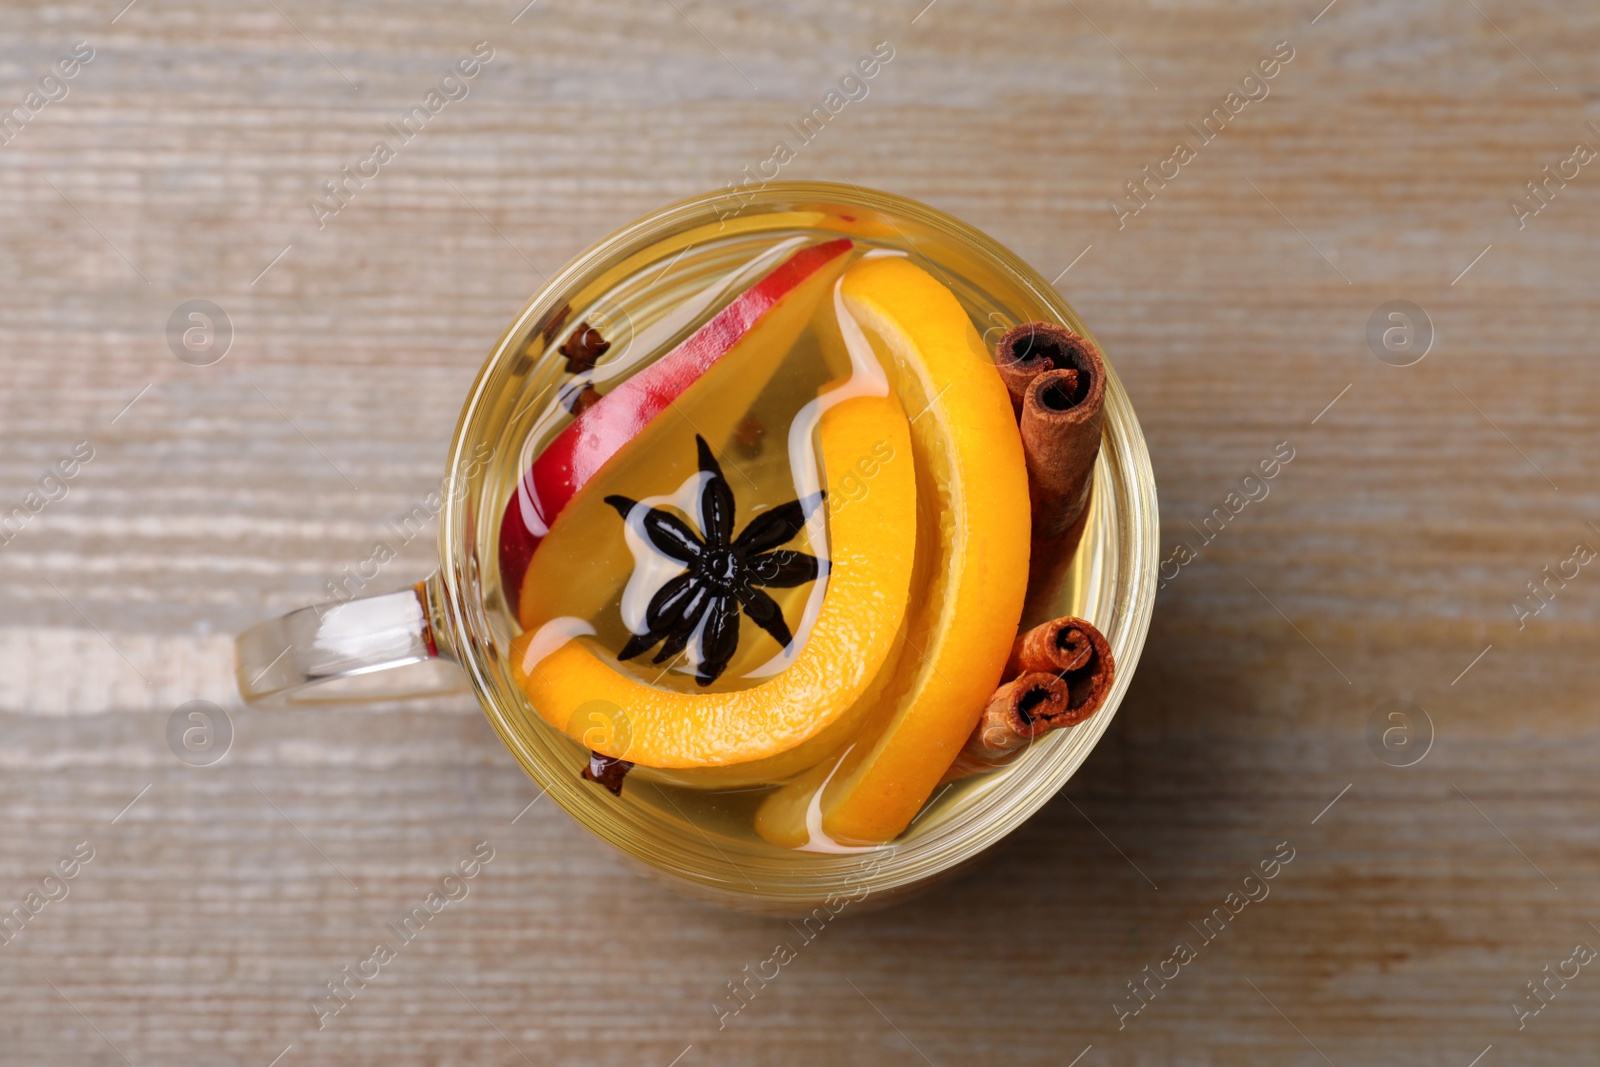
column 766, row 531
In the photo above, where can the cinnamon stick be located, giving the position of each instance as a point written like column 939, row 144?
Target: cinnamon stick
column 1019, row 711
column 1027, row 351
column 1073, row 648
column 1060, row 673
column 1057, row 383
column 1058, row 646
column 1061, row 415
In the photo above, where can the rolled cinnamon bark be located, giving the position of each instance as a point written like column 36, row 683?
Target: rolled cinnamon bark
column 1060, row 674
column 1020, row 710
column 1078, row 652
column 1061, row 416
column 1058, row 646
column 1027, row 351
column 1057, row 384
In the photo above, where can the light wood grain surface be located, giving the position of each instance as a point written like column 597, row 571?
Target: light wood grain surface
column 1385, row 561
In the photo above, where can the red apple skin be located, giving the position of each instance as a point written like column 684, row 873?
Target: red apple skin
column 596, row 435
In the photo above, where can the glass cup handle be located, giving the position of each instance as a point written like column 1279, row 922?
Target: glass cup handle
column 278, row 658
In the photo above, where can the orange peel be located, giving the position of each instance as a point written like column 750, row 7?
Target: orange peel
column 872, row 542
column 974, row 539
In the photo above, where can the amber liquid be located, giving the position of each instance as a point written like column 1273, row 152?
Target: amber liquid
column 644, row 315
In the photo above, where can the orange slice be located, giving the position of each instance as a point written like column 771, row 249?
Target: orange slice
column 973, row 533
column 871, row 542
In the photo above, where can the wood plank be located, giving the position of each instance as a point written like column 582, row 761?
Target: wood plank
column 1387, row 556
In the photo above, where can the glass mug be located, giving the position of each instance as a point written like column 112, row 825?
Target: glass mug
column 628, row 286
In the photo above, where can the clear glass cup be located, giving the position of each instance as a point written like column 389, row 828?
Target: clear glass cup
column 629, row 285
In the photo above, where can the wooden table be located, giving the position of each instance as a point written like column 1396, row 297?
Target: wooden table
column 1383, row 566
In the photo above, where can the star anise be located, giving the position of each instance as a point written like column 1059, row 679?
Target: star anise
column 723, row 573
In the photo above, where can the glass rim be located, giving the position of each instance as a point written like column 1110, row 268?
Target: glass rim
column 1015, row 796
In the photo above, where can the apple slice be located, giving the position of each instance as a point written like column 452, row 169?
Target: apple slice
column 771, row 313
